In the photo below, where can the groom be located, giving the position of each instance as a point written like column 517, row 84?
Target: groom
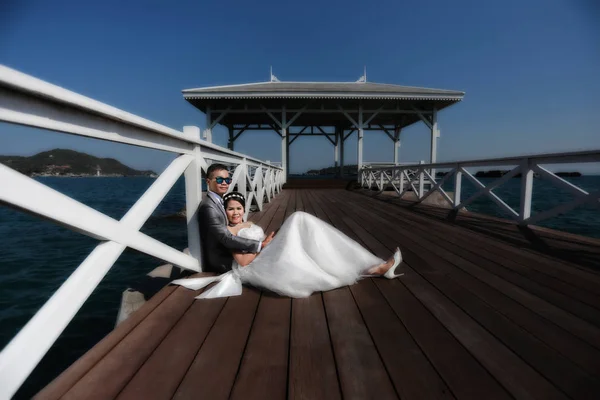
column 216, row 240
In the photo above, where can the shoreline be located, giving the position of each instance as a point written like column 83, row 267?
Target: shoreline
column 92, row 176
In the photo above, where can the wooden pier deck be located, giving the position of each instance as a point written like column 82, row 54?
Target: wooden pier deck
column 480, row 313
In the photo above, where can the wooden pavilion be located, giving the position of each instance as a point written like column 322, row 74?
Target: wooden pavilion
column 330, row 109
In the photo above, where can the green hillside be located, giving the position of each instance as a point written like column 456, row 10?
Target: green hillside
column 69, row 162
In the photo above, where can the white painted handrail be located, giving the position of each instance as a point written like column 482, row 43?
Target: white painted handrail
column 422, row 180
column 28, row 101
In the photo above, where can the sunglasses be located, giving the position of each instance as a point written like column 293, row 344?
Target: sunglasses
column 220, row 180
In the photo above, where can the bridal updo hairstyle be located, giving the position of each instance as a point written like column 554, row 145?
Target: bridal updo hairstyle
column 234, row 196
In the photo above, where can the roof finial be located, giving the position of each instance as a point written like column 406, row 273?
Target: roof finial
column 273, row 77
column 363, row 78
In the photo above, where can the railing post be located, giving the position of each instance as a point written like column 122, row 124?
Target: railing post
column 285, row 145
column 421, row 182
column 457, row 186
column 526, row 190
column 270, row 184
column 401, row 176
column 435, row 134
column 259, row 176
column 243, row 183
column 193, row 195
column 360, row 139
column 381, row 181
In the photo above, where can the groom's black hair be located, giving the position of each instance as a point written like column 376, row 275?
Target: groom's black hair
column 213, row 168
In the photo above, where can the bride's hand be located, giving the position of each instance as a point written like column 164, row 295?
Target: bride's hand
column 266, row 242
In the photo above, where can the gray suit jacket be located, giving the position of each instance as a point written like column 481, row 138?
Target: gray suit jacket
column 216, row 240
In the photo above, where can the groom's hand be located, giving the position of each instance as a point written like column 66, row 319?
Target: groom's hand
column 267, row 240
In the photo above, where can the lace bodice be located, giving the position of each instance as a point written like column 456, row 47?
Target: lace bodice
column 254, row 232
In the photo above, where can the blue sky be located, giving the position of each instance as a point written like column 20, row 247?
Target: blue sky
column 529, row 68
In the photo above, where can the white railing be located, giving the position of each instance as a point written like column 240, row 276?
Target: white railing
column 28, row 101
column 421, row 179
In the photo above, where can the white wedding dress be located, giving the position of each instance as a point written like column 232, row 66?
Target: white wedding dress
column 307, row 255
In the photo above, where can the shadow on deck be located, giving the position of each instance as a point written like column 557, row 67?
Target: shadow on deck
column 480, row 313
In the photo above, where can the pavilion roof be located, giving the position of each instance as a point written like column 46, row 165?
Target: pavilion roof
column 244, row 102
column 341, row 90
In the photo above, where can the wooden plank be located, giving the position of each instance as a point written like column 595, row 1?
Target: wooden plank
column 279, row 216
column 411, row 372
column 538, row 239
column 577, row 326
column 312, row 368
column 291, row 205
column 299, row 200
column 560, row 294
column 570, row 347
column 171, row 359
column 458, row 368
column 518, row 378
column 555, row 367
column 264, row 368
column 318, row 212
column 65, row 381
column 454, row 239
column 338, row 218
column 326, row 215
column 268, row 210
column 162, row 373
column 328, row 207
column 485, row 347
column 306, row 202
column 269, row 214
column 481, row 226
column 111, row 374
column 569, row 272
column 212, row 374
column 362, row 373
column 427, row 384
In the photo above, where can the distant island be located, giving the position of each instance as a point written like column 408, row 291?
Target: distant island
column 62, row 162
column 500, row 173
column 348, row 170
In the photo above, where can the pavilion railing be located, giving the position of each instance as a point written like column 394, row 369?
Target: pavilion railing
column 421, row 179
column 28, row 101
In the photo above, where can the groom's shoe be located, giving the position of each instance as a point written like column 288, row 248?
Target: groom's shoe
column 397, row 260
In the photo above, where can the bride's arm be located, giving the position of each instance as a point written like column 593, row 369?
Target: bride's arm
column 244, row 259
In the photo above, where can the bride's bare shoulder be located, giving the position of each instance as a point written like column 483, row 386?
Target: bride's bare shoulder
column 235, row 229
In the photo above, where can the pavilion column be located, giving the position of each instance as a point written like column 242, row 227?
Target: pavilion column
column 360, row 140
column 435, row 134
column 342, row 134
column 207, row 134
column 285, row 145
column 397, row 145
column 231, row 138
column 336, row 148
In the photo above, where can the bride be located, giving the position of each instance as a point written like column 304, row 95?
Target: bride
column 307, row 255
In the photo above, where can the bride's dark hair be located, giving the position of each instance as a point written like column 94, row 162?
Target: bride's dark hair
column 234, row 196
